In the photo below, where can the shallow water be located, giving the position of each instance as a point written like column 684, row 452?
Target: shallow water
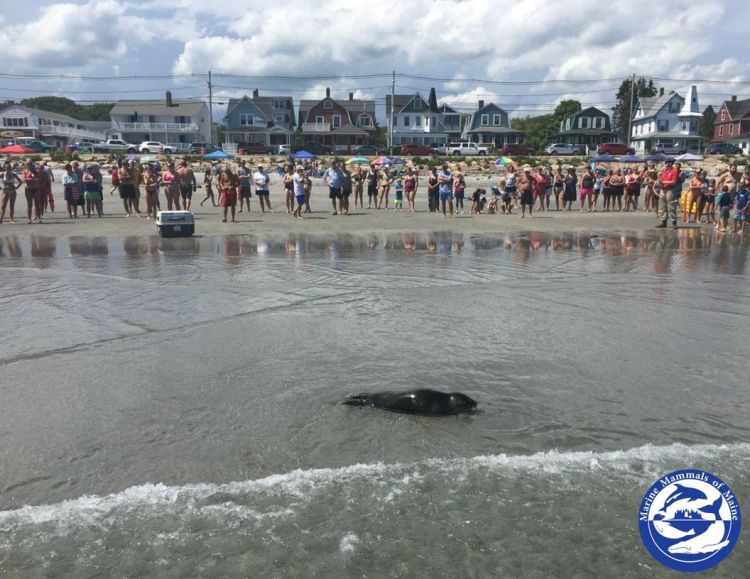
column 170, row 407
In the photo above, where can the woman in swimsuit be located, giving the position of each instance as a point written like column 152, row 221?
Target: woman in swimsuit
column 385, row 187
column 410, row 188
column 617, row 182
column 171, row 182
column 30, row 176
column 433, row 194
column 372, row 187
column 151, row 182
column 208, row 187
column 359, row 184
column 228, row 183
column 289, row 188
column 11, row 182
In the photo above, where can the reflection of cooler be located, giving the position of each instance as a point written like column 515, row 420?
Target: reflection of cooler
column 175, row 223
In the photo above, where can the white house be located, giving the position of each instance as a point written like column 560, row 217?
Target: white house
column 172, row 123
column 52, row 128
column 421, row 121
column 667, row 117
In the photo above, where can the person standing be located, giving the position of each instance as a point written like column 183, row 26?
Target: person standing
column 151, row 182
column 228, row 183
column 372, row 186
column 188, row 186
column 694, row 195
column 358, row 179
column 125, row 187
column 262, row 183
column 171, row 181
column 667, row 201
column 346, row 189
column 587, row 189
column 526, row 187
column 298, row 181
column 72, row 190
column 245, row 192
column 386, row 180
column 11, row 182
column 136, row 179
column 207, row 185
column 569, row 194
column 459, row 188
column 445, row 184
column 410, row 188
column 91, row 194
column 334, row 177
column 433, row 195
column 30, row 177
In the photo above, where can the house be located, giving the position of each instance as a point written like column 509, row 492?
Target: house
column 666, row 117
column 268, row 120
column 340, row 124
column 53, row 128
column 732, row 123
column 490, row 124
column 589, row 127
column 176, row 123
column 419, row 121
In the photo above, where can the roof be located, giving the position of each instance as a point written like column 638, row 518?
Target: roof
column 652, row 105
column 493, row 129
column 265, row 105
column 736, row 109
column 47, row 114
column 664, row 135
column 447, row 110
column 588, row 132
column 399, row 102
column 158, row 107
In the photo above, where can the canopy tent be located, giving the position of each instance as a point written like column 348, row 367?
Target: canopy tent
column 303, row 155
column 659, row 158
column 16, row 150
column 604, row 158
column 688, row 157
column 216, row 155
column 631, row 159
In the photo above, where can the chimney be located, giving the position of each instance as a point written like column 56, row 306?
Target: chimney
column 169, row 98
column 351, row 96
column 734, row 98
column 328, row 92
column 481, row 104
column 661, row 91
column 255, row 93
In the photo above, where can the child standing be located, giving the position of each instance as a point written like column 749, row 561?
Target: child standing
column 724, row 201
column 399, row 194
column 741, row 209
column 710, row 209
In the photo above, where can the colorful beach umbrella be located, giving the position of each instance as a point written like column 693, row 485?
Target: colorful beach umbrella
column 16, row 150
column 502, row 161
column 383, row 161
column 359, row 160
column 303, row 155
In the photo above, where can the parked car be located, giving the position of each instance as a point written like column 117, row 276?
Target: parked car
column 156, row 147
column 118, row 146
column 466, row 148
column 561, row 149
column 256, row 149
column 284, row 149
column 615, row 149
column 723, row 148
column 366, row 150
column 413, row 149
column 84, row 145
column 314, row 148
column 35, row 144
column 517, row 149
column 668, row 148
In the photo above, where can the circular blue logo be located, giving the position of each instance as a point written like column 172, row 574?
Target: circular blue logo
column 689, row 520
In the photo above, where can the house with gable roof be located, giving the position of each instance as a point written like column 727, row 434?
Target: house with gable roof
column 268, row 120
column 177, row 123
column 732, row 123
column 667, row 117
column 421, row 121
column 491, row 124
column 589, row 127
column 339, row 124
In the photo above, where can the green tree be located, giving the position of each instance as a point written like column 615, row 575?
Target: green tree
column 541, row 130
column 706, row 128
column 625, row 107
column 65, row 106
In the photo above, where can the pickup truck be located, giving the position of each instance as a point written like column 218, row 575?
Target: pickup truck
column 118, row 145
column 465, row 149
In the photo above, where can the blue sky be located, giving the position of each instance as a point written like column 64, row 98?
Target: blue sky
column 525, row 56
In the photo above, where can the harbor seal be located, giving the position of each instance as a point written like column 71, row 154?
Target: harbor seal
column 425, row 402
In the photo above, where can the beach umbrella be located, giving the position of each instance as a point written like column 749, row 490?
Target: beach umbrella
column 398, row 161
column 503, row 161
column 218, row 155
column 359, row 160
column 688, row 157
column 631, row 159
column 604, row 158
column 303, row 155
column 16, row 150
column 132, row 157
column 383, row 161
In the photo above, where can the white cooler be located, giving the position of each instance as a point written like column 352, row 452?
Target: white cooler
column 175, row 223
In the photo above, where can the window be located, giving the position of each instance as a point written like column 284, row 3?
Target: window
column 583, row 123
column 319, row 120
column 683, row 126
column 406, row 121
column 417, row 105
column 598, row 122
column 662, row 126
column 395, row 121
column 721, row 130
column 246, row 120
column 496, row 120
column 279, row 118
column 15, row 122
column 364, row 121
column 731, row 129
column 336, row 121
column 675, row 106
column 278, row 104
column 723, row 114
column 485, row 119
column 328, row 104
column 417, row 121
column 693, row 126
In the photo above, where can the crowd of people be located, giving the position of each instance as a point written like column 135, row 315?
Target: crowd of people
column 666, row 192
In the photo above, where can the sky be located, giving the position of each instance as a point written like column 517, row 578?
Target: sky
column 523, row 55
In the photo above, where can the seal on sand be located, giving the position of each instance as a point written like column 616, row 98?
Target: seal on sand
column 426, row 402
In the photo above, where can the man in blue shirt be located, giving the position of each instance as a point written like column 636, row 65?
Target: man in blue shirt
column 334, row 177
column 445, row 188
column 742, row 209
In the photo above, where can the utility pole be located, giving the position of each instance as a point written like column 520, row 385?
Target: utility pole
column 210, row 111
column 390, row 117
column 630, row 111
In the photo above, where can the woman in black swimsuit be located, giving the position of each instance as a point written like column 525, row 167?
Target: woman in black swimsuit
column 433, row 187
column 358, row 178
column 372, row 186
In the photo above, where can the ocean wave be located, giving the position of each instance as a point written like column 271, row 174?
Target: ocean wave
column 206, row 499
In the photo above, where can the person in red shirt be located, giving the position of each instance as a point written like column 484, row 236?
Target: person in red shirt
column 667, row 196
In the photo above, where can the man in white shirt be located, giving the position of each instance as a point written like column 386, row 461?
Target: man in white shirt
column 262, row 182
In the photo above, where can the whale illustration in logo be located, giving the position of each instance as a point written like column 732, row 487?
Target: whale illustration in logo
column 711, row 539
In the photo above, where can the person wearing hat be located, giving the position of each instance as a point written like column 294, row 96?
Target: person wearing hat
column 262, row 181
column 299, row 190
column 445, row 188
column 667, row 201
